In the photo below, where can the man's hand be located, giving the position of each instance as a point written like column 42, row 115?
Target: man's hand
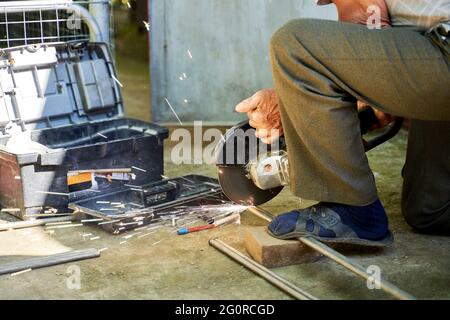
column 384, row 119
column 264, row 114
column 361, row 11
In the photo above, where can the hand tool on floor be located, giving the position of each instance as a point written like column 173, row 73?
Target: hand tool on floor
column 230, row 219
column 252, row 173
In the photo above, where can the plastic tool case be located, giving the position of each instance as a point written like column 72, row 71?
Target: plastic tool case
column 63, row 138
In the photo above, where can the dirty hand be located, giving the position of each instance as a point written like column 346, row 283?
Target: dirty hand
column 359, row 11
column 384, row 119
column 264, row 114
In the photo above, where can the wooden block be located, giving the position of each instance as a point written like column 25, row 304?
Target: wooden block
column 273, row 253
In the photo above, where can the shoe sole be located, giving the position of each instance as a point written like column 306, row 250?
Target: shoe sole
column 386, row 242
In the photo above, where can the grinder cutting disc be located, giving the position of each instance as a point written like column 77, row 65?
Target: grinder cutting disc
column 233, row 175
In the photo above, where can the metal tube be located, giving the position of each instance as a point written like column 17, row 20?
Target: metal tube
column 340, row 259
column 33, row 223
column 48, row 261
column 355, row 268
column 262, row 271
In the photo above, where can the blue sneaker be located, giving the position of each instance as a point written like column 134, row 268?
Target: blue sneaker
column 336, row 223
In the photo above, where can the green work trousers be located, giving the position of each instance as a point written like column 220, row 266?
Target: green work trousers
column 320, row 69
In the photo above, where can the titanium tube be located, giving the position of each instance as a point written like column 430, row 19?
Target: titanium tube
column 262, row 271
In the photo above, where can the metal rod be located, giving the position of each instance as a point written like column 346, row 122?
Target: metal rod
column 355, row 268
column 33, row 223
column 340, row 259
column 42, row 262
column 262, row 271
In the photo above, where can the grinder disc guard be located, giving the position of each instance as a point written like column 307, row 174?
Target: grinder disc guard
column 233, row 154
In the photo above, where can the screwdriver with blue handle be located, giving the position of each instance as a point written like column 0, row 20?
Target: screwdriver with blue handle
column 230, row 219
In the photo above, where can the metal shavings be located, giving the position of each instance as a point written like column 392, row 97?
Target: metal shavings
column 10, row 210
column 20, row 272
column 146, row 234
column 122, row 224
column 137, row 168
column 58, row 223
column 147, row 25
column 173, row 110
column 108, row 222
column 53, row 193
column 91, row 220
column 65, row 226
column 102, row 135
column 117, row 81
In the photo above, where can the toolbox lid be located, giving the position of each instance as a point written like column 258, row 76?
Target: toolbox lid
column 52, row 85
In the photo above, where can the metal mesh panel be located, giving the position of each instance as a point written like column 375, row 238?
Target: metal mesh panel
column 40, row 26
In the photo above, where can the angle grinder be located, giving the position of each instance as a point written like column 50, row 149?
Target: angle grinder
column 251, row 172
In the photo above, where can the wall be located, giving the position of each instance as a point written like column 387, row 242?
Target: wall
column 228, row 41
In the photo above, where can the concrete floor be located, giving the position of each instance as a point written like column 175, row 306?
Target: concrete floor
column 187, row 268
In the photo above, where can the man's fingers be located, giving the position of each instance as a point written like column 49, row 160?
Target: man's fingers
column 270, row 140
column 257, row 117
column 249, row 104
column 362, row 105
column 257, row 125
column 244, row 106
column 264, row 133
column 269, row 136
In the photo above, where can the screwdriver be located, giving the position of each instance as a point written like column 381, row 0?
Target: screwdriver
column 230, row 219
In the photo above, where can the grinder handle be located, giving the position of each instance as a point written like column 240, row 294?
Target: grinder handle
column 367, row 119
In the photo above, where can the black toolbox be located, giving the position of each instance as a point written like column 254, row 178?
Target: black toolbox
column 63, row 138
